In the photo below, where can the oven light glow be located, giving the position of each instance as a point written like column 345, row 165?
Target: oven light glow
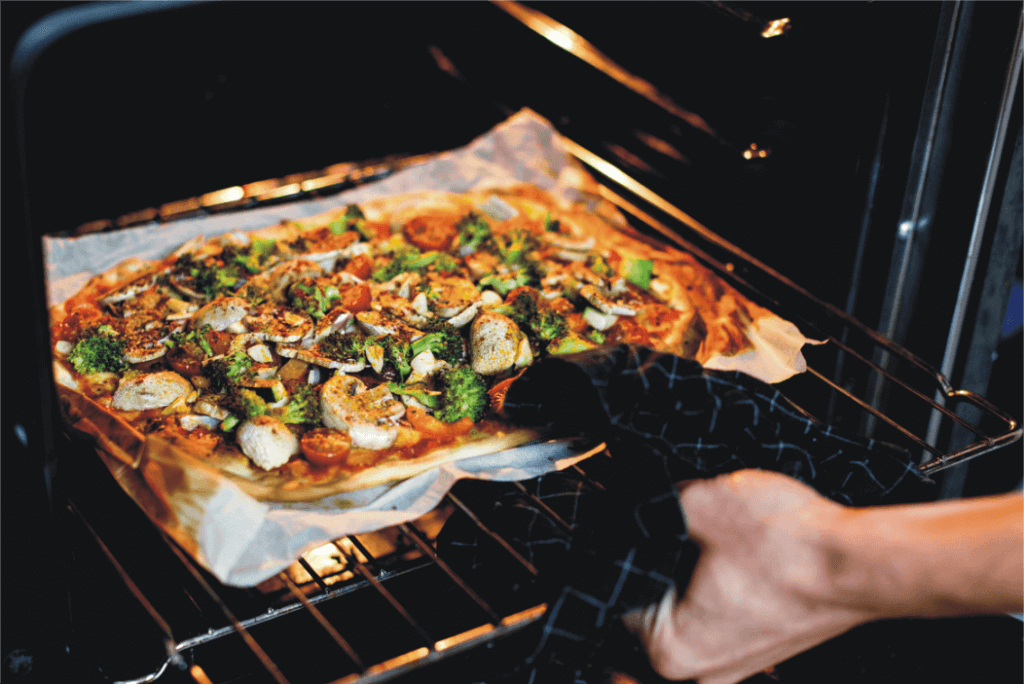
column 776, row 27
column 560, row 36
column 199, row 675
column 905, row 229
column 754, row 151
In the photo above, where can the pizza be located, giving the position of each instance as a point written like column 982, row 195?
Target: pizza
column 372, row 342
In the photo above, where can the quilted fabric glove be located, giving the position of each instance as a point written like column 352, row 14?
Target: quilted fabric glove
column 665, row 419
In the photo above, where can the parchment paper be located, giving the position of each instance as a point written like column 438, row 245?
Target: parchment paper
column 243, row 541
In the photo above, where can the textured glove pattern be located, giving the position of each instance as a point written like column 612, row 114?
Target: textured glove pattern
column 665, row 419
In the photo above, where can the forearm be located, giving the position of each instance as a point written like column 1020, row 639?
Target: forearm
column 929, row 560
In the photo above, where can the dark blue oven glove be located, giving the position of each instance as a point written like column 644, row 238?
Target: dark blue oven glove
column 617, row 540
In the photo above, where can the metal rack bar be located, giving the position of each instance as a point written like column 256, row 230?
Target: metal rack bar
column 328, row 627
column 410, row 531
column 257, row 650
column 496, row 537
column 382, row 590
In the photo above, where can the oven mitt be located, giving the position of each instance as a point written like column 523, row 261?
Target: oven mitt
column 603, row 552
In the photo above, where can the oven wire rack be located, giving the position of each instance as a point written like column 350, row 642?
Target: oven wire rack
column 306, row 588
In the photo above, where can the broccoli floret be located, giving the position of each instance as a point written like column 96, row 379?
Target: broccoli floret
column 513, row 245
column 341, row 346
column 548, row 325
column 551, row 226
column 542, row 324
column 401, row 258
column 473, row 230
column 245, row 402
column 195, row 343
column 353, row 219
column 638, row 272
column 463, row 393
column 407, row 258
column 397, row 352
column 425, row 397
column 302, row 407
column 600, row 266
column 307, row 296
column 254, row 258
column 445, row 263
column 98, row 354
column 570, row 343
column 503, row 287
column 596, row 336
column 225, row 371
column 443, row 340
column 209, row 277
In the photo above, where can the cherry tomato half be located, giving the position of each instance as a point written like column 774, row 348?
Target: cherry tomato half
column 326, row 446
column 436, row 429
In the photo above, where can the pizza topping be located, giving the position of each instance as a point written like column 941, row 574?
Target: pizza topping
column 450, row 296
column 278, row 324
column 473, row 231
column 343, row 346
column 272, row 286
column 150, row 390
column 379, row 324
column 603, row 304
column 402, row 309
column 463, row 395
column 369, row 416
column 130, row 290
column 443, row 340
column 425, row 365
column 325, row 446
column 599, row 320
column 267, row 441
column 436, row 429
column 221, row 313
column 494, row 343
column 99, row 353
column 466, row 316
column 430, row 232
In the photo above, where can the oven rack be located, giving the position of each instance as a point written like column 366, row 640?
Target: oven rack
column 342, row 569
column 826, row 392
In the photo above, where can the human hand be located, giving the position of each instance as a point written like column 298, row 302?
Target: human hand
column 761, row 590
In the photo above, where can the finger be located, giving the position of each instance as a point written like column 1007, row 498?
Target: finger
column 645, row 622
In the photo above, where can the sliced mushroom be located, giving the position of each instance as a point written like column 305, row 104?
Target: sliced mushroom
column 278, row 324
column 267, row 441
column 466, row 316
column 316, row 358
column 275, row 282
column 149, row 391
column 424, row 365
column 221, row 313
column 369, row 416
column 602, row 303
column 130, row 290
column 333, row 321
column 494, row 343
column 378, row 324
column 402, row 309
column 452, row 295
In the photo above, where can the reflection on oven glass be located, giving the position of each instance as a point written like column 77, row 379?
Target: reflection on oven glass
column 756, row 152
column 776, row 27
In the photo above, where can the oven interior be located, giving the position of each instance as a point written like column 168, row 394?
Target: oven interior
column 138, row 108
